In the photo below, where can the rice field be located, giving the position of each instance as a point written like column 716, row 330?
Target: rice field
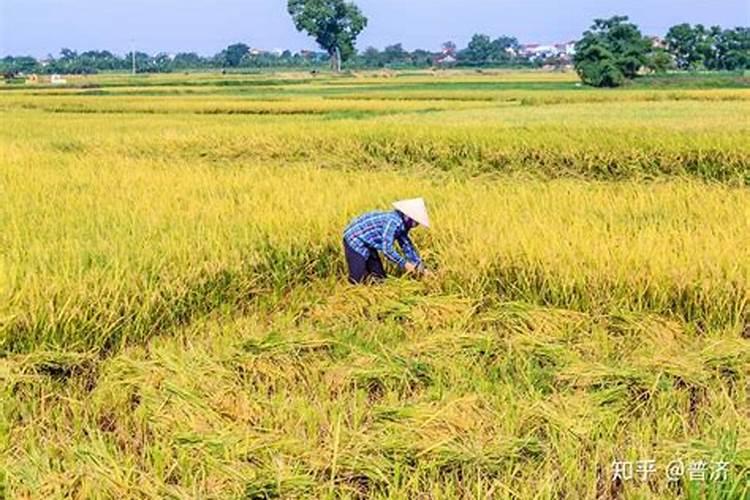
column 175, row 320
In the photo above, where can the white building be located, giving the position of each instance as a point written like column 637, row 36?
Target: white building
column 566, row 49
column 445, row 59
column 539, row 51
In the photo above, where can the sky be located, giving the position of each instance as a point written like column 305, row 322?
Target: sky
column 41, row 27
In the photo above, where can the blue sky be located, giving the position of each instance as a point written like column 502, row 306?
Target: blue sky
column 39, row 27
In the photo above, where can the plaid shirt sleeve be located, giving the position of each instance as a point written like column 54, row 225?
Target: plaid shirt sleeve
column 408, row 247
column 389, row 250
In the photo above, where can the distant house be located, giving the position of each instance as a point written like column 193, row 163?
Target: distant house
column 543, row 50
column 445, row 60
column 527, row 49
column 566, row 49
column 558, row 50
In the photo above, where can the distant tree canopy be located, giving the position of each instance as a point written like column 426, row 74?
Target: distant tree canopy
column 612, row 51
column 697, row 47
column 608, row 54
column 21, row 64
column 395, row 54
column 187, row 60
column 686, row 44
column 233, row 54
column 482, row 50
column 335, row 25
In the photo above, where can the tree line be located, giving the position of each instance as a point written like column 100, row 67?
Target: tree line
column 237, row 55
column 610, row 52
column 480, row 51
column 614, row 50
column 609, row 43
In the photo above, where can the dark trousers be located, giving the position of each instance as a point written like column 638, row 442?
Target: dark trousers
column 363, row 269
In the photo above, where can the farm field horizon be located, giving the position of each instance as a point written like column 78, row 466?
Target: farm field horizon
column 175, row 319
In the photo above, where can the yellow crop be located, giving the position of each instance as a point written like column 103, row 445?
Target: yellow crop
column 174, row 319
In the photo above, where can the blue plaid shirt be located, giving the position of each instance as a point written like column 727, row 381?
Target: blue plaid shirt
column 378, row 231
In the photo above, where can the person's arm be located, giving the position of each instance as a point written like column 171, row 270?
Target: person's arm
column 389, row 248
column 409, row 251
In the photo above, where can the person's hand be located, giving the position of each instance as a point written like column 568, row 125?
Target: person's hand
column 410, row 267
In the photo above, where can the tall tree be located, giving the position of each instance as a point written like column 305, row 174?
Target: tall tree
column 707, row 47
column 733, row 49
column 395, row 54
column 504, row 47
column 684, row 43
column 335, row 24
column 68, row 55
column 480, row 49
column 595, row 64
column 610, row 52
column 483, row 50
column 234, row 53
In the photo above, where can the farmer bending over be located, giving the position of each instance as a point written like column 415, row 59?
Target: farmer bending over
column 376, row 232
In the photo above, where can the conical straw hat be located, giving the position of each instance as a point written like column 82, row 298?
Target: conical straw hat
column 414, row 209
